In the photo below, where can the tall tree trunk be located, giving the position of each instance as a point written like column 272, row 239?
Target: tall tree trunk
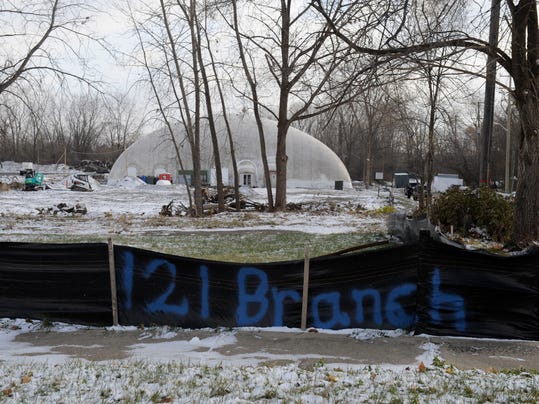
column 525, row 73
column 526, row 213
column 263, row 152
column 281, row 159
column 194, row 128
column 368, row 160
column 211, row 123
column 256, row 108
column 429, row 163
column 237, row 195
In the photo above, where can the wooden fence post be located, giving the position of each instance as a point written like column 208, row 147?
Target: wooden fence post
column 112, row 271
column 305, row 299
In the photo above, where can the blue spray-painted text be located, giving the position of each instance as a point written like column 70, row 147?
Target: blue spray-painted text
column 259, row 303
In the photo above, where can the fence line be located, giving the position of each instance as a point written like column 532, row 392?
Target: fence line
column 426, row 287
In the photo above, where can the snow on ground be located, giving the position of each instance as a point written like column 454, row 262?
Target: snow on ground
column 147, row 200
column 187, row 383
column 132, row 198
column 159, row 344
column 191, row 371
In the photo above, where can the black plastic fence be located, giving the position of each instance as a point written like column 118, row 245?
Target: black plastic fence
column 428, row 287
column 59, row 282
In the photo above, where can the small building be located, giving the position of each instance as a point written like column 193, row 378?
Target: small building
column 401, row 180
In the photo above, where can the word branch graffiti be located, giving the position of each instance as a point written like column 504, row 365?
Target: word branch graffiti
column 428, row 287
column 194, row 294
column 325, row 308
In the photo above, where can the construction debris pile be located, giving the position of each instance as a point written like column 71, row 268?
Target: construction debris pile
column 211, row 206
column 94, row 166
column 63, row 209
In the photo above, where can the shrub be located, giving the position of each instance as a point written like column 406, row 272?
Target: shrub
column 383, row 211
column 465, row 208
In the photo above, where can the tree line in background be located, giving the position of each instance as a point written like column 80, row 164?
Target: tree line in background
column 392, row 137
column 54, row 107
column 389, row 85
column 67, row 128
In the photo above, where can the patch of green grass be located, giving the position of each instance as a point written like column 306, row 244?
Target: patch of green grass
column 383, row 211
column 230, row 246
column 438, row 362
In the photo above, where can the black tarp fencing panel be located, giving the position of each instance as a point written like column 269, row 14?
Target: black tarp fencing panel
column 56, row 282
column 371, row 289
column 374, row 289
column 429, row 287
column 476, row 294
column 156, row 288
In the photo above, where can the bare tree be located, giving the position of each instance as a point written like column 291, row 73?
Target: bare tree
column 300, row 64
column 520, row 63
column 223, row 101
column 414, row 138
column 251, row 79
column 24, row 125
column 40, row 56
column 211, row 119
column 174, row 79
column 523, row 68
column 458, row 152
column 191, row 122
column 84, row 125
column 123, row 123
column 339, row 131
column 11, row 129
column 432, row 20
column 33, row 32
column 374, row 107
column 152, row 77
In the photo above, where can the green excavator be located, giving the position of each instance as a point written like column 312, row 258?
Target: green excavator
column 33, row 180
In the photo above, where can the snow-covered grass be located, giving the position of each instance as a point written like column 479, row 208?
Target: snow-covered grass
column 154, row 375
column 146, row 381
column 128, row 211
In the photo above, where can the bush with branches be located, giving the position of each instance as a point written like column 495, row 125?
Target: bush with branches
column 482, row 208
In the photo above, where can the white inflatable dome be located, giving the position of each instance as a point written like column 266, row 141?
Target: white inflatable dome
column 311, row 164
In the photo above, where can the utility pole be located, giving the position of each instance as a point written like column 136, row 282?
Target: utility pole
column 507, row 179
column 477, row 140
column 490, row 89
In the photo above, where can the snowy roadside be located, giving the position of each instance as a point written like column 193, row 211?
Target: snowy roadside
column 162, row 369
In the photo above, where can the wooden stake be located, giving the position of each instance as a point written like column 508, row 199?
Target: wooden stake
column 114, row 295
column 305, row 299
